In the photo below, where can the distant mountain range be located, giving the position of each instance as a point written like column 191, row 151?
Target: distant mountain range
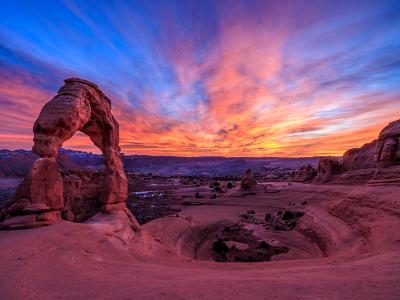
column 16, row 163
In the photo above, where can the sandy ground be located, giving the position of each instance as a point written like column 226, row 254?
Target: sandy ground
column 347, row 246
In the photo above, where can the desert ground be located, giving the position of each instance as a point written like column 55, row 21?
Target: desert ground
column 345, row 246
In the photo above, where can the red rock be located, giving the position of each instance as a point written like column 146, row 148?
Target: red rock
column 390, row 130
column 360, row 164
column 82, row 193
column 79, row 106
column 46, row 184
column 387, row 151
column 113, row 207
column 19, row 222
column 36, row 208
column 360, row 158
column 17, row 206
column 50, row 217
column 248, row 180
column 305, row 173
column 327, row 168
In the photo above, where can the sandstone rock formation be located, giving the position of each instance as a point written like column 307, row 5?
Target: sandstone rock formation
column 387, row 151
column 248, row 181
column 382, row 152
column 327, row 168
column 376, row 162
column 360, row 158
column 79, row 106
column 305, row 173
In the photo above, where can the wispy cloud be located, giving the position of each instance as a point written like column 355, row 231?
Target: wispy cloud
column 251, row 78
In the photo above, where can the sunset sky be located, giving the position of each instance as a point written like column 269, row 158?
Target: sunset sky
column 194, row 78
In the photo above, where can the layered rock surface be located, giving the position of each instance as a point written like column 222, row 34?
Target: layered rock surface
column 360, row 158
column 79, row 106
column 305, row 173
column 327, row 168
column 387, row 151
column 377, row 162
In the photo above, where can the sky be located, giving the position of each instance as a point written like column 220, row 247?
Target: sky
column 204, row 78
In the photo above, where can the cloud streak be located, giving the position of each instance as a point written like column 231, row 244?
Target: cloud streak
column 253, row 78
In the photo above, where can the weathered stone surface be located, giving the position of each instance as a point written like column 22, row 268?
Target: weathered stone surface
column 305, row 173
column 387, row 151
column 50, row 217
column 327, row 168
column 373, row 163
column 36, row 208
column 360, row 158
column 361, row 176
column 19, row 222
column 386, row 176
column 390, row 130
column 248, row 180
column 17, row 206
column 79, row 106
column 46, row 183
column 82, row 193
column 113, row 207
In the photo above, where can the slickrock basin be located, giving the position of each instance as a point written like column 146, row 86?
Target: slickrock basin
column 345, row 246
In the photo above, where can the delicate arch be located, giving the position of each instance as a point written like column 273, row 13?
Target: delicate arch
column 79, row 106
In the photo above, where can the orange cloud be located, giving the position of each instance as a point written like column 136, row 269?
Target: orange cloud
column 258, row 88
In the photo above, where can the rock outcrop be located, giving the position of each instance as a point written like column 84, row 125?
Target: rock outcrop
column 327, row 168
column 79, row 106
column 382, row 152
column 305, row 173
column 248, row 181
column 376, row 162
column 360, row 158
column 387, row 151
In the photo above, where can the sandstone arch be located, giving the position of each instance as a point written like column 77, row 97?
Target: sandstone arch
column 79, row 106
